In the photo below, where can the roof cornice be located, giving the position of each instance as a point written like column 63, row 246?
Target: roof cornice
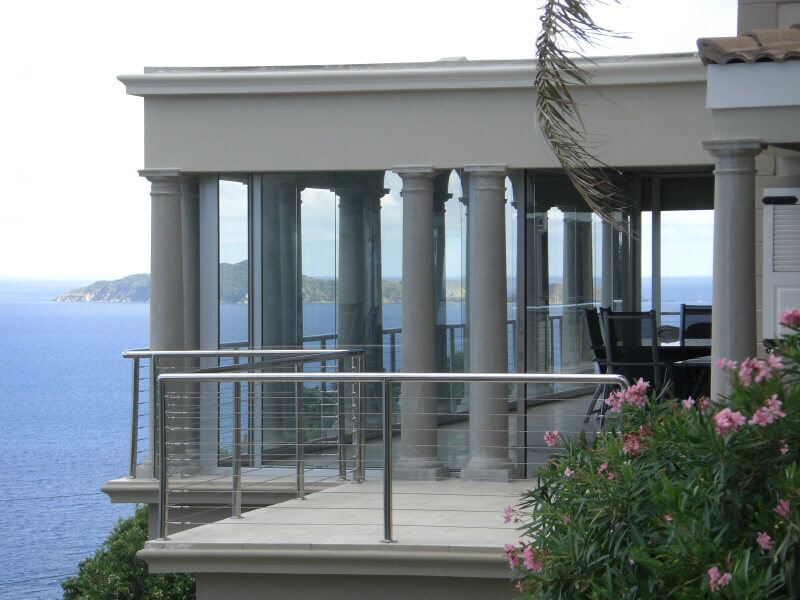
column 466, row 75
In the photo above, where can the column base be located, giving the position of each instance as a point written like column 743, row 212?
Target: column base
column 420, row 469
column 488, row 469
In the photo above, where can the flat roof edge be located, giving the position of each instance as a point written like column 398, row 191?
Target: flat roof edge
column 637, row 70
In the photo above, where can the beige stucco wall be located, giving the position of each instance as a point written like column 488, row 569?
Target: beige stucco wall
column 635, row 125
column 215, row 586
column 767, row 14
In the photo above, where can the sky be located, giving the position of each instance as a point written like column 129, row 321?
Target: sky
column 73, row 206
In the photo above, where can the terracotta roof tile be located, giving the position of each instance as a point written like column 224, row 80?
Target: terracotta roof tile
column 759, row 45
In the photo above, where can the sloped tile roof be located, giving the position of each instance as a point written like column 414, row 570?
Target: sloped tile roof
column 759, row 45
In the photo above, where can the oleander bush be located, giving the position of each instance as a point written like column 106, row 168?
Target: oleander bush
column 681, row 499
column 115, row 573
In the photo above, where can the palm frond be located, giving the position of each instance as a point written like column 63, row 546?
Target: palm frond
column 565, row 21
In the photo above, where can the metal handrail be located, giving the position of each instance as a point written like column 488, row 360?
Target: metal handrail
column 282, row 356
column 385, row 379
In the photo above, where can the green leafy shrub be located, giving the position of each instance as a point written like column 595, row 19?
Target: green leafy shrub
column 114, row 573
column 684, row 499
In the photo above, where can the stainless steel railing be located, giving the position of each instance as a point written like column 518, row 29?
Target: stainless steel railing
column 170, row 384
column 254, row 359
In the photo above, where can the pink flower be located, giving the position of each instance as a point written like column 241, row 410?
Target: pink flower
column 568, row 472
column 791, row 318
column 774, row 407
column 668, row 517
column 768, row 413
column 530, row 560
column 688, row 403
column 602, row 468
column 511, row 554
column 774, row 361
column 519, row 585
column 705, row 403
column 610, row 476
column 783, row 508
column 754, row 366
column 509, row 512
column 784, row 447
column 551, row 437
column 637, row 393
column 632, row 445
column 728, row 421
column 724, row 363
column 614, row 402
column 766, row 542
column 718, row 580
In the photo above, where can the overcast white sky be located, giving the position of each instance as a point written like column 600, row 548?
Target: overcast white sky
column 73, row 206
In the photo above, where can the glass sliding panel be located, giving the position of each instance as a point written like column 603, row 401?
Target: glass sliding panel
column 573, row 261
column 391, row 226
column 233, row 270
column 452, row 316
column 511, row 272
column 687, row 241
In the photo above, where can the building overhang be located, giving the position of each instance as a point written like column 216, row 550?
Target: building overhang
column 441, row 75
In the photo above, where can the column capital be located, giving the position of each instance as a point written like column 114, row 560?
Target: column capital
column 421, row 171
column 486, row 178
column 487, row 170
column 159, row 174
column 733, row 147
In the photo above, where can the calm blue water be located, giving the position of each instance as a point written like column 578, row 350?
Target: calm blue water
column 64, row 430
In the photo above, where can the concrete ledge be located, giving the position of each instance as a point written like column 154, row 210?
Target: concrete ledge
column 380, row 559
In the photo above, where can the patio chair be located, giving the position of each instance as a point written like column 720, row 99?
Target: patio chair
column 695, row 325
column 631, row 342
column 595, row 331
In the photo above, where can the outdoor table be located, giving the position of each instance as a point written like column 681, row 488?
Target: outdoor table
column 692, row 376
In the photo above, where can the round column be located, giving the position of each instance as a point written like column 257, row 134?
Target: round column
column 733, row 319
column 350, row 288
column 418, row 455
column 166, row 274
column 166, row 259
column 488, row 406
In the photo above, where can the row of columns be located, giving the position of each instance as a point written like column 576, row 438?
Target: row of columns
column 489, row 456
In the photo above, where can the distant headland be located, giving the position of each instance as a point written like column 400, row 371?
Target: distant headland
column 233, row 279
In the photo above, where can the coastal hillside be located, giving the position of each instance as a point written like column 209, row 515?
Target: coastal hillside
column 133, row 288
column 233, row 280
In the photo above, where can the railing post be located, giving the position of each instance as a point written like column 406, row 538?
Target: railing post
column 355, row 403
column 393, row 352
column 236, row 466
column 342, row 451
column 162, row 458
column 300, row 449
column 134, row 418
column 362, row 426
column 387, row 462
column 153, row 427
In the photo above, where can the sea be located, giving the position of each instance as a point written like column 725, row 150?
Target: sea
column 65, row 420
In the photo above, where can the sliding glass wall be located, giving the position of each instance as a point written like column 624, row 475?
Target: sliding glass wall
column 573, row 260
